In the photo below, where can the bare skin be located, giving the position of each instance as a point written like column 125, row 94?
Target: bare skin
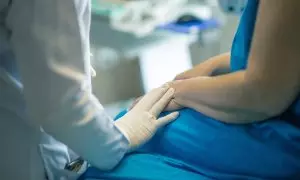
column 269, row 84
column 214, row 66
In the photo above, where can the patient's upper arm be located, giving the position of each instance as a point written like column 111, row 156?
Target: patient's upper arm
column 273, row 71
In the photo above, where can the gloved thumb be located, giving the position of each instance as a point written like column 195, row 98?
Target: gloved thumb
column 166, row 119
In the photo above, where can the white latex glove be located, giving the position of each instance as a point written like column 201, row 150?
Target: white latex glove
column 141, row 122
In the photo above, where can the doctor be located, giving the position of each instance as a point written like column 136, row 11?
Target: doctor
column 45, row 64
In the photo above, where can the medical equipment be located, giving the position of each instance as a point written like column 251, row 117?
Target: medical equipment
column 232, row 6
column 75, row 165
column 143, row 17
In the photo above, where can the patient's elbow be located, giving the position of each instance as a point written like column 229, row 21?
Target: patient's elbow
column 267, row 103
column 274, row 109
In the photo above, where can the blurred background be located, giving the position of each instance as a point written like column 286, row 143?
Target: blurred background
column 138, row 45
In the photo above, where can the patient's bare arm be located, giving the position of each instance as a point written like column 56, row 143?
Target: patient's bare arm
column 271, row 81
column 214, row 66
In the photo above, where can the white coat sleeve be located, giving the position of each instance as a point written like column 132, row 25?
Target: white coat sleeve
column 50, row 39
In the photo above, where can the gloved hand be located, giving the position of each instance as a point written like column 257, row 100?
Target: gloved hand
column 172, row 106
column 141, row 123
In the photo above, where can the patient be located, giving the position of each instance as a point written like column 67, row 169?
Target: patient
column 242, row 124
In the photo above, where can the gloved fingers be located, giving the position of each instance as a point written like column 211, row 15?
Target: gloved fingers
column 166, row 85
column 166, row 119
column 160, row 105
column 148, row 101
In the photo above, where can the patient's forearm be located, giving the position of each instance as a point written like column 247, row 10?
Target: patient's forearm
column 222, row 64
column 213, row 66
column 227, row 98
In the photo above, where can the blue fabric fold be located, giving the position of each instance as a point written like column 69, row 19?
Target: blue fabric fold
column 198, row 147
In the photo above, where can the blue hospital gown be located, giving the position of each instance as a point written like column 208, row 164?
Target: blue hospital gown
column 199, row 147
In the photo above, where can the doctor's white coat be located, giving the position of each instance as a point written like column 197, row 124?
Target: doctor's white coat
column 45, row 86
